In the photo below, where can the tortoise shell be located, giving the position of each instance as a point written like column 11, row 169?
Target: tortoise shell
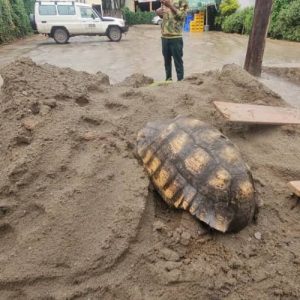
column 195, row 167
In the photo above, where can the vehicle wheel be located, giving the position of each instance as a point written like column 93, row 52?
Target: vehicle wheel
column 114, row 33
column 60, row 35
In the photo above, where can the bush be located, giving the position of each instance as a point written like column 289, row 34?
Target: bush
column 278, row 5
column 20, row 18
column 233, row 23
column 286, row 25
column 226, row 8
column 29, row 6
column 285, row 20
column 7, row 27
column 248, row 20
column 240, row 22
column 138, row 17
column 14, row 20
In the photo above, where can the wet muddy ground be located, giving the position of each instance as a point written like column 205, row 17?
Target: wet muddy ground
column 140, row 51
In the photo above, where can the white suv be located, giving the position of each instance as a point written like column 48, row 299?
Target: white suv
column 64, row 19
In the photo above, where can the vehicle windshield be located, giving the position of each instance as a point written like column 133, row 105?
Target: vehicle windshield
column 88, row 12
column 98, row 15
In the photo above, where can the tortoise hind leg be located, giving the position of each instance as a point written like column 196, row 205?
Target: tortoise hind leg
column 216, row 217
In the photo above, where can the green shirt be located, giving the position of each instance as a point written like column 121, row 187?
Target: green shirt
column 172, row 24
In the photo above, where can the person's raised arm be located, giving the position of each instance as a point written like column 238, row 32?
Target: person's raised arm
column 168, row 4
column 160, row 11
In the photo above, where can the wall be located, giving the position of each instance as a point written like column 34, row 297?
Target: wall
column 130, row 4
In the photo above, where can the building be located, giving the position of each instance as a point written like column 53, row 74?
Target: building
column 144, row 5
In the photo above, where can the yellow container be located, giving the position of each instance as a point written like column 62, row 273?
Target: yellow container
column 198, row 20
column 196, row 30
column 197, row 25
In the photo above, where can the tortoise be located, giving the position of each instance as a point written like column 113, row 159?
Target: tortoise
column 195, row 167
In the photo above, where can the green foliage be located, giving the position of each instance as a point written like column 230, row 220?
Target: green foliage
column 138, row 17
column 228, row 7
column 285, row 20
column 14, row 21
column 286, row 24
column 29, row 6
column 278, row 5
column 20, row 18
column 248, row 19
column 7, row 27
column 240, row 22
column 233, row 23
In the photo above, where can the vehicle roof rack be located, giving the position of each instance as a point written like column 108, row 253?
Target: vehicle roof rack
column 55, row 1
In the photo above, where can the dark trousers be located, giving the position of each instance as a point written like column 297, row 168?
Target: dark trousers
column 173, row 48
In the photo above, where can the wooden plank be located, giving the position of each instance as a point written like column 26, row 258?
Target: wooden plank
column 295, row 187
column 258, row 114
column 257, row 38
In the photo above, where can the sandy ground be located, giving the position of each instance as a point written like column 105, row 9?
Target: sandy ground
column 77, row 220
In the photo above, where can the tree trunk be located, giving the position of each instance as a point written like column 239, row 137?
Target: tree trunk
column 257, row 39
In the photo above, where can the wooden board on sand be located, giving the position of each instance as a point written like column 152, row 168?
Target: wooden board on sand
column 258, row 114
column 295, row 187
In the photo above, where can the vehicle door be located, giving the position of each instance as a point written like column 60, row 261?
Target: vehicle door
column 68, row 17
column 100, row 25
column 87, row 19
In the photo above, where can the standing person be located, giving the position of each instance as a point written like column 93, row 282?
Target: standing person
column 173, row 13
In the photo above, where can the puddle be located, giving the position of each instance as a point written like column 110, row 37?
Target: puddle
column 288, row 91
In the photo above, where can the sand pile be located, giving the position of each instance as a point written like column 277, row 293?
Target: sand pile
column 77, row 220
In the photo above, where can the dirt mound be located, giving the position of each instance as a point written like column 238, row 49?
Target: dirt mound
column 77, row 220
column 30, row 80
column 136, row 80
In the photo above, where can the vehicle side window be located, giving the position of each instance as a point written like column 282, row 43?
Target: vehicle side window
column 87, row 12
column 66, row 10
column 47, row 10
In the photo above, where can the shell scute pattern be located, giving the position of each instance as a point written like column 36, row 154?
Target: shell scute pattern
column 195, row 167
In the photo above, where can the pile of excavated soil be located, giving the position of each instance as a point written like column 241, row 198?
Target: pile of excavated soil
column 77, row 220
